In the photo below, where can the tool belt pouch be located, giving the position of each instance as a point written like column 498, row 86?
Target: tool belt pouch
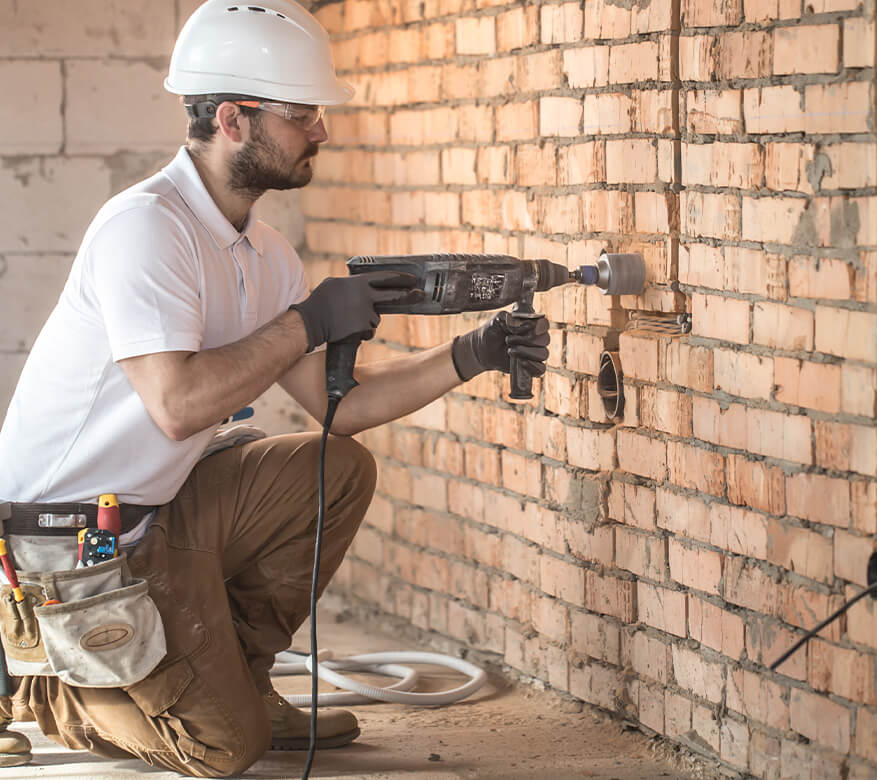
column 106, row 631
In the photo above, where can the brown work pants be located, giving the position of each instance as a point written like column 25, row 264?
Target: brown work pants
column 229, row 565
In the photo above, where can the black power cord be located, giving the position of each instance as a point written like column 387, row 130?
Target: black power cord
column 318, row 546
column 872, row 589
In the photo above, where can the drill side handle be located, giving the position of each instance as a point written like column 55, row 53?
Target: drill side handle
column 521, row 382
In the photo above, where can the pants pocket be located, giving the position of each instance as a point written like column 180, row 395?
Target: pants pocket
column 109, row 640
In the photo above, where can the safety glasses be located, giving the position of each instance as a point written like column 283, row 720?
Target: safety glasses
column 306, row 117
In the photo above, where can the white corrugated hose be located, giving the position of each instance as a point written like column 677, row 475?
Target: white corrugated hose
column 388, row 664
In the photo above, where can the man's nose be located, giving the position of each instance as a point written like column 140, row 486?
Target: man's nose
column 318, row 134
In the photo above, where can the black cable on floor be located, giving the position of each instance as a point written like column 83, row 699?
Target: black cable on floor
column 318, row 545
column 870, row 589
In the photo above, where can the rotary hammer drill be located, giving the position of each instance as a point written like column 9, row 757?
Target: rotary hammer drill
column 455, row 283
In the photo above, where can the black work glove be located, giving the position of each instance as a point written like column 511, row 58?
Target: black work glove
column 341, row 306
column 492, row 345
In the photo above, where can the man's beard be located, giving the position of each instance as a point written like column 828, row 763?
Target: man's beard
column 262, row 165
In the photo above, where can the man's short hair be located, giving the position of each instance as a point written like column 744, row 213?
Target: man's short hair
column 202, row 128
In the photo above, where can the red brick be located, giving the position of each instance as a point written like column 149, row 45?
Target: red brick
column 695, row 567
column 688, row 366
column 562, row 23
column 590, row 448
column 866, row 734
column 778, row 435
column 710, row 214
column 858, row 392
column 864, row 506
column 494, row 166
column 608, row 595
column 606, row 20
column 820, row 278
column 662, row 608
column 842, row 671
column 551, row 619
column 783, row 327
column 517, row 28
column 752, row 483
column 563, row 580
column 466, row 500
column 722, row 318
column 851, row 555
column 820, row 720
column 666, row 410
column 696, row 674
column 607, row 114
column 773, row 109
column 581, row 163
column 711, row 14
column 758, row 699
column 808, row 553
column 838, row 108
column 559, row 116
column 683, row 515
column 767, row 640
column 819, row 499
column 805, row 608
column 858, row 39
column 750, row 587
column 743, row 374
column 845, row 333
column 715, row 627
column 806, row 49
column 695, row 468
column 517, row 121
column 595, row 637
column 846, row 447
column 642, row 455
column 738, row 530
column 812, row 385
column 642, row 554
column 587, row 67
column 631, row 62
column 713, row 111
column 476, row 35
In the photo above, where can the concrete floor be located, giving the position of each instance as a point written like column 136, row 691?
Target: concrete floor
column 504, row 732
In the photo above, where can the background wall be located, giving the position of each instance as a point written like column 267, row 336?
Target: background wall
column 85, row 115
column 656, row 567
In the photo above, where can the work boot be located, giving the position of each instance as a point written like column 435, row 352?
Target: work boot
column 291, row 727
column 14, row 747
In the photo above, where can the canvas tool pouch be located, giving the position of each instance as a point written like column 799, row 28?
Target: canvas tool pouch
column 106, row 631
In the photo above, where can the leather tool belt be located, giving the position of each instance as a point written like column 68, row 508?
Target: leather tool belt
column 63, row 519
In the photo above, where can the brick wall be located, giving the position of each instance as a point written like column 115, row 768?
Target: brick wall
column 654, row 567
column 84, row 116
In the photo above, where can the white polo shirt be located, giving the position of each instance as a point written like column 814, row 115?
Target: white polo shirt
column 160, row 269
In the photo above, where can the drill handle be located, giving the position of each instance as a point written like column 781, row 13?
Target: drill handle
column 521, row 382
column 340, row 360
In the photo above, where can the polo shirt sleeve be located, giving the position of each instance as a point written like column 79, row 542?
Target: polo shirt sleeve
column 143, row 269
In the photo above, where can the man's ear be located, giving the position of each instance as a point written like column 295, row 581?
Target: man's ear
column 232, row 123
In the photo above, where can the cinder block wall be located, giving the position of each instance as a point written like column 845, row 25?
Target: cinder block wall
column 84, row 116
column 657, row 566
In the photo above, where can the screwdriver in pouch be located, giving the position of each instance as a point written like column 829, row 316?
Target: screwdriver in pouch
column 10, row 572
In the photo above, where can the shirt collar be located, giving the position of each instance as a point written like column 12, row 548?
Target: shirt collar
column 184, row 176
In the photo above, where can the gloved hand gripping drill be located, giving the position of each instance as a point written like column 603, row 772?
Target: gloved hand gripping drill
column 514, row 342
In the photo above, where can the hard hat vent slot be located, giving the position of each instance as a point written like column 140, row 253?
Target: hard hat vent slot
column 232, row 8
column 255, row 8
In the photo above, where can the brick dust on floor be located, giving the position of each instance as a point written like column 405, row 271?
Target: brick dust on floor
column 506, row 731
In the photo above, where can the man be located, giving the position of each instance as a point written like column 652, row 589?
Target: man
column 180, row 309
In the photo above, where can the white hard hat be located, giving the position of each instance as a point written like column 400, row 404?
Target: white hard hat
column 274, row 50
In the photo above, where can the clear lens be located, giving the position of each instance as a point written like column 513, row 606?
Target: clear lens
column 306, row 117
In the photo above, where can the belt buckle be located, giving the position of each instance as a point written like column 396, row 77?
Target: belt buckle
column 52, row 520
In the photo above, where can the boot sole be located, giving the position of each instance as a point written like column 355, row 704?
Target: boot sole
column 14, row 759
column 303, row 743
